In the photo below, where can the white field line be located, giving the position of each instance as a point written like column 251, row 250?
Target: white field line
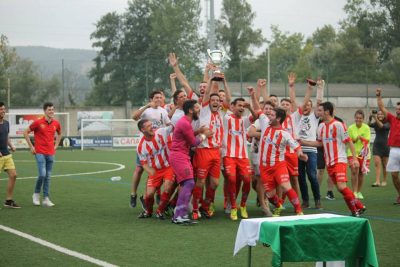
column 57, row 247
column 119, row 167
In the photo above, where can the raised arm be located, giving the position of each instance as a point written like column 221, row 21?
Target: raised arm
column 307, row 97
column 263, row 89
column 292, row 92
column 381, row 105
column 208, row 92
column 173, row 61
column 227, row 90
column 138, row 113
column 172, row 78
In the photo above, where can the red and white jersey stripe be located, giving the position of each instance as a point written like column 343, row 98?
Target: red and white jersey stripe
column 334, row 137
column 213, row 121
column 289, row 126
column 235, row 141
column 273, row 143
column 155, row 152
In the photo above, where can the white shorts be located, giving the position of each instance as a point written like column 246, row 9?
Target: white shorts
column 393, row 164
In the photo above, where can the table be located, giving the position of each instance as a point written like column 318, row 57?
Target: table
column 308, row 238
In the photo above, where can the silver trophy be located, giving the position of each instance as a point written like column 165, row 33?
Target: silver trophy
column 216, row 57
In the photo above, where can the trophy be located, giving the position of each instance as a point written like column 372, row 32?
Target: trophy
column 216, row 57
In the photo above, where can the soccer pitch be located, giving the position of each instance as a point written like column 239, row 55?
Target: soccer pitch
column 92, row 216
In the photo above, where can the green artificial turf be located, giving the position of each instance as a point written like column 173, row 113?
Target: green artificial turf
column 92, row 216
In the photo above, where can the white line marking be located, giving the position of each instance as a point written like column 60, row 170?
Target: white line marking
column 57, row 247
column 119, row 167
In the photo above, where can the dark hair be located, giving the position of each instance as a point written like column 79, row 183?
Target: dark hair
column 47, row 105
column 214, row 94
column 175, row 95
column 204, row 82
column 2, row 104
column 141, row 123
column 221, row 90
column 234, row 102
column 327, row 106
column 273, row 96
column 359, row 112
column 398, row 103
column 155, row 93
column 280, row 113
column 188, row 105
column 286, row 100
column 268, row 103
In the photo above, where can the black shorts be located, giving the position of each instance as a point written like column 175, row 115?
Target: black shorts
column 381, row 150
column 320, row 159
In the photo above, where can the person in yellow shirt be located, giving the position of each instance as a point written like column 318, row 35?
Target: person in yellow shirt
column 360, row 134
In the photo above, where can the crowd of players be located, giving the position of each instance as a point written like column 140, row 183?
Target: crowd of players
column 210, row 133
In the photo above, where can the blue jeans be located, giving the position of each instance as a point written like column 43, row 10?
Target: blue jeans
column 44, row 165
column 309, row 167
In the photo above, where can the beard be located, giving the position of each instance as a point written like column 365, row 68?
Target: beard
column 195, row 116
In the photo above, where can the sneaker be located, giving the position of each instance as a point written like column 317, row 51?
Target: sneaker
column 47, row 202
column 397, row 202
column 318, row 205
column 299, row 213
column 359, row 212
column 133, row 200
column 159, row 215
column 183, row 221
column 305, row 204
column 243, row 212
column 144, row 215
column 36, row 199
column 376, row 185
column 383, row 183
column 360, row 195
column 233, row 215
column 362, row 210
column 355, row 214
column 141, row 198
column 228, row 208
column 9, row 203
column 267, row 213
column 195, row 215
column 330, row 196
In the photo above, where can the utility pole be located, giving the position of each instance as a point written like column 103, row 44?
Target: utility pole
column 211, row 37
column 63, row 85
column 8, row 92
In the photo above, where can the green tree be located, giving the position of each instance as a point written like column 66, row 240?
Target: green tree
column 7, row 59
column 235, row 32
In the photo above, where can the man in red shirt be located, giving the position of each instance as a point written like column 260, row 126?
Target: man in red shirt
column 393, row 164
column 44, row 130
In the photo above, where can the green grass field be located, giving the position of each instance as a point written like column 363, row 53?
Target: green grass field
column 92, row 216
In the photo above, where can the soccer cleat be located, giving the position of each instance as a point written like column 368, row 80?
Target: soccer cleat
column 376, row 184
column 318, row 205
column 9, row 203
column 205, row 213
column 144, row 215
column 212, row 208
column 133, row 200
column 159, row 215
column 36, row 199
column 362, row 210
column 47, row 202
column 355, row 214
column 397, row 202
column 233, row 215
column 277, row 212
column 330, row 196
column 360, row 195
column 299, row 213
column 243, row 212
column 183, row 221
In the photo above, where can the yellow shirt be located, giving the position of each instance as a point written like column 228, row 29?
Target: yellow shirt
column 354, row 132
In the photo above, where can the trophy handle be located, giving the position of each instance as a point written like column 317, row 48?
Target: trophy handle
column 209, row 52
column 223, row 53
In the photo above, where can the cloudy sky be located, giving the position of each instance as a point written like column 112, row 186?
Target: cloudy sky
column 69, row 23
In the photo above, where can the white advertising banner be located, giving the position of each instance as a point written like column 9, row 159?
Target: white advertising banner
column 94, row 115
column 20, row 119
column 126, row 141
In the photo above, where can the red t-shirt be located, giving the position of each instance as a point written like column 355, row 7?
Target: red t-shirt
column 44, row 135
column 394, row 134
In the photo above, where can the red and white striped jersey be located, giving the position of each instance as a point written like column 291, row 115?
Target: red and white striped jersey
column 155, row 152
column 334, row 137
column 213, row 121
column 273, row 143
column 289, row 125
column 235, row 141
column 192, row 96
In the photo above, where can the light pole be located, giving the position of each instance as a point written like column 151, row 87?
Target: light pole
column 268, row 70
column 8, row 93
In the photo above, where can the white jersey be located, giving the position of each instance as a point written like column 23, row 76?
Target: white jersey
column 155, row 152
column 289, row 125
column 334, row 137
column 213, row 121
column 235, row 141
column 307, row 130
column 158, row 116
column 178, row 114
column 273, row 143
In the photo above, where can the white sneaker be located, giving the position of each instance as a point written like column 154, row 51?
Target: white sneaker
column 47, row 202
column 36, row 199
column 228, row 208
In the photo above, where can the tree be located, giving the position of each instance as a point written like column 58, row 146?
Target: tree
column 7, row 59
column 235, row 32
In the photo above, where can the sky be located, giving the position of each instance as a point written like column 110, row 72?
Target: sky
column 69, row 23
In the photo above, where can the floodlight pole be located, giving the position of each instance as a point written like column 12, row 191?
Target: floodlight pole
column 211, row 37
column 8, row 93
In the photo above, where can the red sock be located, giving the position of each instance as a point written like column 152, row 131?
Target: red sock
column 275, row 201
column 283, row 197
column 232, row 190
column 196, row 197
column 245, row 191
column 294, row 199
column 149, row 202
column 350, row 199
column 210, row 193
column 163, row 202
